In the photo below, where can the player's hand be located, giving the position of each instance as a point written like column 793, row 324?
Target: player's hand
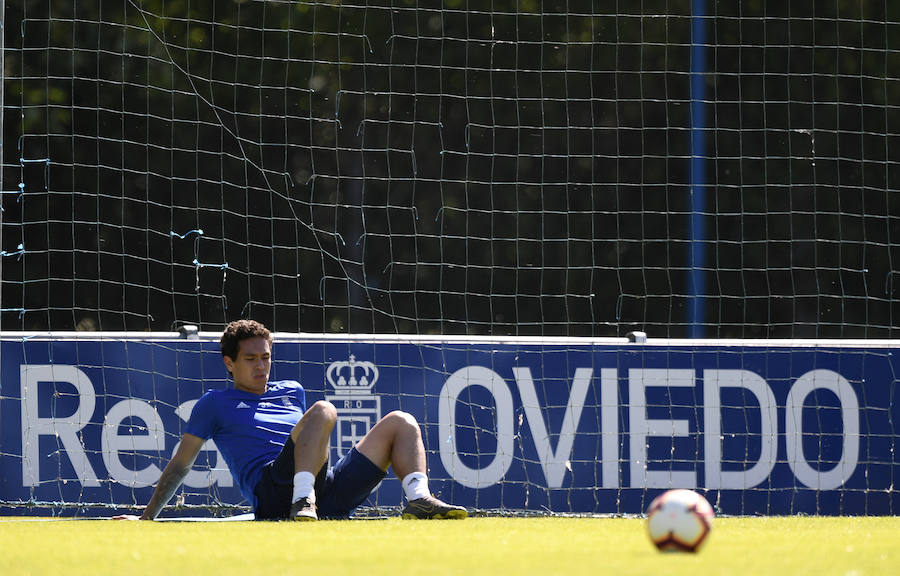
column 126, row 517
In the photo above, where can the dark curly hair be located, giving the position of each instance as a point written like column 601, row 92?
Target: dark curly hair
column 241, row 330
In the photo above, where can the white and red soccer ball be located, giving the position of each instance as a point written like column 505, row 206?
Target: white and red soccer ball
column 679, row 521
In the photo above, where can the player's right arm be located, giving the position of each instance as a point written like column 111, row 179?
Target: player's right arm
column 172, row 477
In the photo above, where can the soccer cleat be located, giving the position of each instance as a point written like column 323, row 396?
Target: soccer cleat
column 430, row 508
column 303, row 510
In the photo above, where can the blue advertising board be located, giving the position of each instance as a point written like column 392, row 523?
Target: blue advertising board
column 574, row 426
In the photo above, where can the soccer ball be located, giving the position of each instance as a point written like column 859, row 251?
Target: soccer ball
column 679, row 521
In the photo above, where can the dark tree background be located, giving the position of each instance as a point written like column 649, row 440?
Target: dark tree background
column 504, row 167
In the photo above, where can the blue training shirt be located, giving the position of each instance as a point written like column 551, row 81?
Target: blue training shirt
column 248, row 429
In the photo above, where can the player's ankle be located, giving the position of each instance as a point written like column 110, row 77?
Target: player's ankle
column 415, row 486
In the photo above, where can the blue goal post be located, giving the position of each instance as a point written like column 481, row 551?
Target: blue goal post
column 515, row 424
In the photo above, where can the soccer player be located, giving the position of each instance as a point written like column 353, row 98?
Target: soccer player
column 277, row 450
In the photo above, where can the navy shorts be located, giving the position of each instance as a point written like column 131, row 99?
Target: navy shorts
column 339, row 489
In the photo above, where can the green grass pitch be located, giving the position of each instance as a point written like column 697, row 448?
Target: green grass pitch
column 496, row 546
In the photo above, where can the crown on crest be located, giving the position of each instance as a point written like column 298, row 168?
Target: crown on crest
column 352, row 377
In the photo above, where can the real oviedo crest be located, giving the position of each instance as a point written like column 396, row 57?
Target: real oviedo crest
column 357, row 407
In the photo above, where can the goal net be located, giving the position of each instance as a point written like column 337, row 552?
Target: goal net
column 577, row 169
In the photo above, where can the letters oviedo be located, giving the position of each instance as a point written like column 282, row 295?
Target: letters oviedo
column 641, row 430
column 621, row 409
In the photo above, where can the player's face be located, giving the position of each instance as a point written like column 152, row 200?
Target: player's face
column 250, row 369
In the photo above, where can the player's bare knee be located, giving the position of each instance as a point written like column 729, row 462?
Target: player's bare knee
column 403, row 420
column 324, row 410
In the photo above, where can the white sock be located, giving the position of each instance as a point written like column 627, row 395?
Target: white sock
column 304, row 483
column 415, row 486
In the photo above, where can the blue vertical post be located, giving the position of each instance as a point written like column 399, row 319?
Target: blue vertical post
column 697, row 255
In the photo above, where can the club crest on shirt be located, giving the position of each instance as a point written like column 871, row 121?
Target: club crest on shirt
column 357, row 407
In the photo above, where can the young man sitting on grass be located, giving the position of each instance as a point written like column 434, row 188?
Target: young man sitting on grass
column 277, row 450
